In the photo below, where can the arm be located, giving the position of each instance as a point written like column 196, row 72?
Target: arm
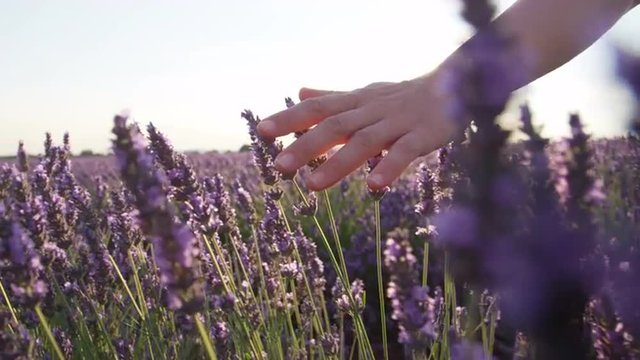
column 549, row 33
column 410, row 118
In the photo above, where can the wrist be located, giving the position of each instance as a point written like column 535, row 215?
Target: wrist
column 438, row 89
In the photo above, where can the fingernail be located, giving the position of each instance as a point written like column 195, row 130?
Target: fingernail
column 266, row 127
column 316, row 179
column 285, row 162
column 375, row 180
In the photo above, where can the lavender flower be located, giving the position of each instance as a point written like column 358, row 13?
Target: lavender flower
column 16, row 344
column 263, row 150
column 20, row 264
column 371, row 164
column 182, row 176
column 610, row 340
column 196, row 208
column 341, row 298
column 313, row 266
column 427, row 181
column 21, row 203
column 467, row 350
column 315, row 162
column 629, row 70
column 174, row 248
column 245, row 202
column 226, row 215
column 22, row 161
column 124, row 348
column 60, row 231
column 5, row 180
column 409, row 300
column 308, row 208
column 101, row 271
column 64, row 341
column 330, row 342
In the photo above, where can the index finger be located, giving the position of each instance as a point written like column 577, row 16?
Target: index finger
column 305, row 114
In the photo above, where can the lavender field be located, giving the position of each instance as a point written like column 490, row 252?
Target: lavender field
column 485, row 249
column 151, row 254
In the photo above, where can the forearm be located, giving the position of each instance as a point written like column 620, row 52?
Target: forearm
column 549, row 33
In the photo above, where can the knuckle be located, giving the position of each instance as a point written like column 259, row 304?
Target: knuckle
column 354, row 99
column 376, row 85
column 313, row 106
column 364, row 138
column 337, row 125
column 410, row 147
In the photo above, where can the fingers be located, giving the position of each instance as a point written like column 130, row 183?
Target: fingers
column 328, row 133
column 363, row 145
column 306, row 93
column 306, row 114
column 400, row 155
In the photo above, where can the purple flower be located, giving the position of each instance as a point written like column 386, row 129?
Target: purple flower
column 308, row 208
column 173, row 243
column 330, row 342
column 15, row 344
column 20, row 264
column 313, row 266
column 245, row 201
column 412, row 307
column 101, row 271
column 64, row 342
column 467, row 350
column 22, row 161
column 371, row 164
column 609, row 336
column 343, row 302
column 263, row 150
column 457, row 227
column 427, row 180
column 219, row 198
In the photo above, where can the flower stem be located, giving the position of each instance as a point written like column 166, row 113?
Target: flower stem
column 343, row 276
column 124, row 282
column 425, row 264
column 205, row 339
column 47, row 330
column 383, row 315
column 6, row 299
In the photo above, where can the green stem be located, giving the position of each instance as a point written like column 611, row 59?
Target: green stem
column 425, row 264
column 334, row 230
column 205, row 339
column 383, row 317
column 296, row 254
column 230, row 288
column 47, row 330
column 138, row 284
column 124, row 282
column 6, row 299
column 343, row 276
column 245, row 273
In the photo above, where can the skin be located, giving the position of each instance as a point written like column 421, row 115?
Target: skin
column 411, row 118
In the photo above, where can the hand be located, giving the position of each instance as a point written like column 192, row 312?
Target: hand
column 408, row 118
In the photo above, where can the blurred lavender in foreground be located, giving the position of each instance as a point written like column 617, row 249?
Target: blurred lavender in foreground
column 174, row 244
column 629, row 71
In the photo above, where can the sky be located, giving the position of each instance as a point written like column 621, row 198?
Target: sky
column 191, row 67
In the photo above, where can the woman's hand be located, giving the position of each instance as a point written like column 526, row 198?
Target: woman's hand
column 408, row 118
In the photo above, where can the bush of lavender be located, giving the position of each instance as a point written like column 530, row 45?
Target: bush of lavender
column 487, row 250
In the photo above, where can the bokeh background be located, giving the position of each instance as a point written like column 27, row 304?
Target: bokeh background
column 191, row 67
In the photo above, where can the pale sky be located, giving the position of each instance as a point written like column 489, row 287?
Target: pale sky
column 191, row 67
